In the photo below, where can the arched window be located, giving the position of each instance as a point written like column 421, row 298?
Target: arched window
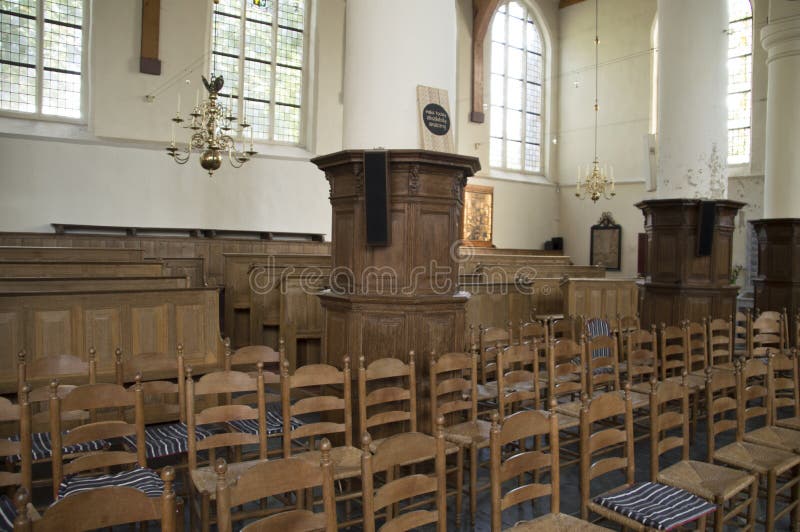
column 517, row 73
column 42, row 56
column 740, row 80
column 262, row 42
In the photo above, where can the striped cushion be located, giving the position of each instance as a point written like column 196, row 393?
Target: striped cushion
column 656, row 505
column 274, row 423
column 7, row 513
column 167, row 439
column 42, row 447
column 596, row 327
column 141, row 478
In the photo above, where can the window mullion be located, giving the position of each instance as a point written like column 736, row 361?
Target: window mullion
column 242, row 46
column 39, row 55
column 273, row 71
column 504, row 96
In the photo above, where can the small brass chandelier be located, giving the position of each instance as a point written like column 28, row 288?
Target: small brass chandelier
column 597, row 182
column 212, row 126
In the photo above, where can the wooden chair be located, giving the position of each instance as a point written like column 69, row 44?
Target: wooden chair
column 641, row 358
column 625, row 325
column 65, row 368
column 565, row 379
column 531, row 331
column 777, row 470
column 720, row 342
column 741, row 333
column 326, row 413
column 518, row 379
column 757, row 389
column 453, row 389
column 786, row 390
column 783, row 318
column 225, row 422
column 638, row 506
column 564, row 328
column 515, row 432
column 734, row 492
column 492, row 339
column 74, row 475
column 766, row 334
column 672, row 351
column 385, row 501
column 275, row 478
column 17, row 451
column 102, row 507
column 696, row 344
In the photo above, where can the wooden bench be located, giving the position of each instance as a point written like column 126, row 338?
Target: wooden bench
column 81, row 269
column 88, row 284
column 136, row 321
column 62, row 254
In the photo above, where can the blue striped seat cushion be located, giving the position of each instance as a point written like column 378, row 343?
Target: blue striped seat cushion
column 656, row 505
column 167, row 439
column 596, row 327
column 274, row 423
column 42, row 447
column 143, row 479
column 7, row 513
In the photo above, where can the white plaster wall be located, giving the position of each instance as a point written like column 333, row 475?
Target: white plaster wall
column 113, row 170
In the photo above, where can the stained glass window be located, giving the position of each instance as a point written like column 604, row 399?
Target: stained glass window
column 740, row 80
column 263, row 43
column 41, row 56
column 515, row 90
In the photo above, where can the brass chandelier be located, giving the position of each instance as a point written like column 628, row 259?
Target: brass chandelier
column 212, row 131
column 596, row 182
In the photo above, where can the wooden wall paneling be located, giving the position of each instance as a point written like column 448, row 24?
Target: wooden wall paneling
column 150, row 333
column 190, row 327
column 69, row 254
column 88, row 284
column 191, row 268
column 11, row 337
column 53, row 332
column 103, row 332
column 600, row 297
column 80, row 269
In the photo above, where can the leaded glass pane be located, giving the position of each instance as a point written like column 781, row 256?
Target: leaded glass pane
column 499, row 28
column 25, row 7
column 514, row 94
column 533, row 128
column 17, row 88
column 534, row 95
column 261, row 12
column 232, row 7
column 738, row 146
column 513, row 124
column 228, row 68
column 18, row 37
column 740, row 74
column 534, row 40
column 497, row 83
column 498, row 58
column 287, row 124
column 292, row 14
column 257, row 78
column 496, row 121
column 257, row 114
column 290, row 47
column 258, row 41
column 534, row 67
column 739, row 110
column 515, row 63
column 739, row 9
column 61, row 94
column 516, row 10
column 532, row 163
column 496, row 152
column 62, row 47
column 740, row 38
column 288, row 86
column 66, row 11
column 226, row 34
column 515, row 36
column 513, row 155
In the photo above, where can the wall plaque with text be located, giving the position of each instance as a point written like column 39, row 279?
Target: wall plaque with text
column 435, row 123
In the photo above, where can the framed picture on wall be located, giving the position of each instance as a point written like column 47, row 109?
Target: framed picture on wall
column 606, row 243
column 477, row 217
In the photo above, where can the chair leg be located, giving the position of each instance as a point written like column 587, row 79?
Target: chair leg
column 751, row 513
column 771, row 496
column 719, row 516
column 205, row 512
column 795, row 520
column 473, row 483
column 459, row 485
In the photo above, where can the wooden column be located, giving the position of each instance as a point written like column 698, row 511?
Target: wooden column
column 679, row 284
column 388, row 300
column 778, row 283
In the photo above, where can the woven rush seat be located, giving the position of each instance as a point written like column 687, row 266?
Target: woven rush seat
column 756, row 457
column 449, row 447
column 167, row 439
column 346, row 461
column 469, row 432
column 143, row 479
column 556, row 523
column 42, row 446
column 789, row 422
column 653, row 505
column 696, row 381
column 709, row 481
column 205, row 478
column 779, row 437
